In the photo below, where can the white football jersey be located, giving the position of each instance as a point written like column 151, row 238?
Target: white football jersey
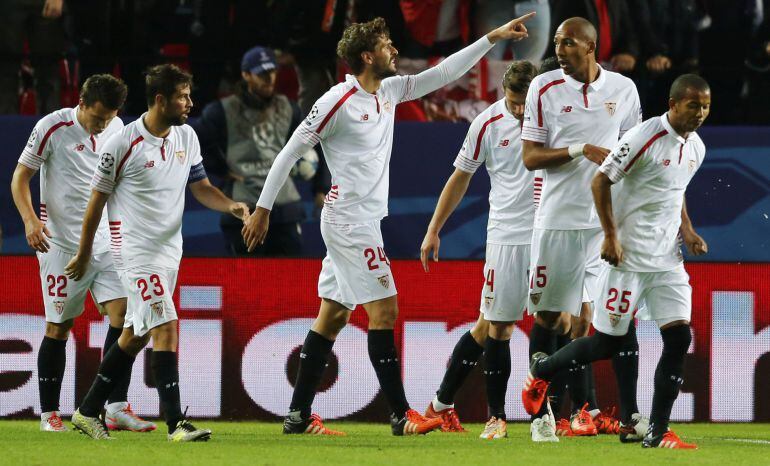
column 355, row 129
column 146, row 177
column 494, row 139
column 652, row 166
column 66, row 155
column 561, row 111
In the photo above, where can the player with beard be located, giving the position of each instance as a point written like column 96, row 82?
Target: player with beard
column 141, row 177
column 643, row 219
column 354, row 123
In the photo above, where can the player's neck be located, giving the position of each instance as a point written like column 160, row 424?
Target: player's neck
column 156, row 124
column 674, row 124
column 589, row 75
column 368, row 81
column 79, row 116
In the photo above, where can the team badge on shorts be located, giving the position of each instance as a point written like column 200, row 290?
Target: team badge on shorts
column 614, row 319
column 179, row 155
column 610, row 107
column 691, row 165
column 157, row 308
column 58, row 307
column 535, row 297
column 384, row 281
column 488, row 301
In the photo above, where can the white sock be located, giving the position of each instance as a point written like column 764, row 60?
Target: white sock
column 439, row 406
column 115, row 407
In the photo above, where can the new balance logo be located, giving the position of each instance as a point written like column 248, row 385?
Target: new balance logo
column 566, row 109
column 504, row 143
column 80, row 147
column 365, row 117
column 666, row 163
column 149, row 164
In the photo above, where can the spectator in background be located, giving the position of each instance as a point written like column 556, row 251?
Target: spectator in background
column 669, row 48
column 39, row 23
column 488, row 13
column 435, row 28
column 240, row 136
column 617, row 47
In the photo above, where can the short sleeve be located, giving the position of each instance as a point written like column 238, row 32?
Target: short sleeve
column 634, row 115
column 625, row 156
column 534, row 127
column 110, row 162
column 474, row 150
column 320, row 123
column 195, row 149
column 39, row 146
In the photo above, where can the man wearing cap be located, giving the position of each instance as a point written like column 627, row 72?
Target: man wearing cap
column 240, row 136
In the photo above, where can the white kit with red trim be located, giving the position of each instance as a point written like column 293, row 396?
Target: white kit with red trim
column 66, row 155
column 561, row 111
column 359, row 156
column 146, row 177
column 494, row 139
column 652, row 166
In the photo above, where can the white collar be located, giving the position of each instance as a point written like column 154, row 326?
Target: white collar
column 594, row 86
column 671, row 131
column 148, row 137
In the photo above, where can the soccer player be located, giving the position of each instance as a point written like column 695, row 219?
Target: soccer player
column 572, row 115
column 65, row 147
column 354, row 123
column 643, row 218
column 494, row 139
column 141, row 177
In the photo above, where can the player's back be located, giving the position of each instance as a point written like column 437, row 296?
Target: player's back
column 494, row 139
column 562, row 111
column 66, row 154
column 147, row 176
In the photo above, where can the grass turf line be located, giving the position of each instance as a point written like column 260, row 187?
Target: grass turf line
column 259, row 443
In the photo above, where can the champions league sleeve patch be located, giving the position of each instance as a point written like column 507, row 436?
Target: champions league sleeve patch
column 312, row 115
column 106, row 162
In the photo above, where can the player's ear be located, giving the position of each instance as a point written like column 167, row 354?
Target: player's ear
column 591, row 47
column 367, row 57
column 671, row 103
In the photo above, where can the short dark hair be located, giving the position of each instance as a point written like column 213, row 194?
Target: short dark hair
column 549, row 64
column 104, row 88
column 164, row 80
column 687, row 81
column 359, row 38
column 518, row 76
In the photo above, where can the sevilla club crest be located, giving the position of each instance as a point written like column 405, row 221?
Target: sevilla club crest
column 610, row 107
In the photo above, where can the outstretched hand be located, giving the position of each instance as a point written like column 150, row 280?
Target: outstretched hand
column 513, row 30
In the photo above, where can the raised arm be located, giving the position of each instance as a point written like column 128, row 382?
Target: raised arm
column 451, row 195
column 457, row 64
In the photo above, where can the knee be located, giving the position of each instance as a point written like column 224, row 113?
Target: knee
column 58, row 331
column 501, row 330
column 676, row 339
column 480, row 330
column 330, row 324
column 384, row 319
column 549, row 320
column 164, row 337
column 579, row 327
column 116, row 311
column 133, row 344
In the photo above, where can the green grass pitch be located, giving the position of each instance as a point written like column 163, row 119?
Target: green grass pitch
column 259, row 443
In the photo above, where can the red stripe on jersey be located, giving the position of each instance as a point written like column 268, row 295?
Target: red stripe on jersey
column 335, row 108
column 93, row 143
column 378, row 104
column 128, row 154
column 540, row 97
column 49, row 133
column 644, row 148
column 585, row 95
column 681, row 146
column 115, row 223
column 481, row 134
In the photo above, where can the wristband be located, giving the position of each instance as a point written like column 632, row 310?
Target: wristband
column 576, row 150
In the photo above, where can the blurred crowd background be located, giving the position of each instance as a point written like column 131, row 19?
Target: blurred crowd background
column 50, row 46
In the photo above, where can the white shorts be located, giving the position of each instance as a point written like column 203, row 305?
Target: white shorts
column 355, row 269
column 564, row 268
column 660, row 296
column 505, row 290
column 150, row 297
column 64, row 298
